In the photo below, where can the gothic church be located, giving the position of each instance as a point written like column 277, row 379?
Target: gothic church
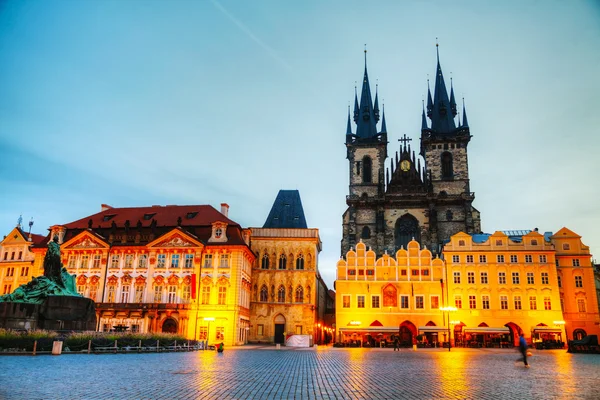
column 425, row 197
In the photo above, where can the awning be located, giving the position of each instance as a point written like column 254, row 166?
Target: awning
column 480, row 329
column 427, row 329
column 546, row 329
column 371, row 329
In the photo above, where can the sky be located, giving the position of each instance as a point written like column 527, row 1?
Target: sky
column 135, row 103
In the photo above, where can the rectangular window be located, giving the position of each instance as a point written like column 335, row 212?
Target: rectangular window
column 25, row 271
column 224, row 261
column 500, row 258
column 498, row 242
column 346, row 301
column 175, row 261
column 260, row 330
column 114, row 261
column 530, row 278
column 105, row 327
column 205, row 295
column 203, row 332
column 471, row 277
column 375, row 301
column 222, row 295
column 129, row 261
column 457, row 301
column 517, row 300
column 125, row 294
column 353, row 272
column 581, row 305
column 7, row 289
column 6, row 256
column 370, row 272
column 189, row 260
column 513, row 258
column 484, row 278
column 20, row 255
column 142, row 260
column 71, row 262
column 135, row 328
column 545, row 279
column 403, row 272
column 419, row 303
column 456, row 277
column 298, row 329
column 93, row 292
column 532, row 303
column 139, row 293
column 543, row 258
column 502, row 278
column 472, row 302
column 528, row 258
column 96, row 261
column 158, row 294
column 469, row 258
column 435, row 302
column 425, row 272
column 187, row 293
column 562, row 304
column 162, row 261
column 504, row 302
column 111, row 294
column 578, row 281
column 516, row 280
column 415, row 272
column 220, row 334
column 404, row 302
column 576, row 262
column 208, row 261
column 547, row 303
column 482, row 258
column 85, row 261
column 485, row 302
column 12, row 255
column 455, row 259
column 10, row 271
column 172, row 294
column 360, row 301
column 559, row 278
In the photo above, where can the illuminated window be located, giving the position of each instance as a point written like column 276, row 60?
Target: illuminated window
column 504, row 302
column 162, row 261
column 206, row 295
column 281, row 294
column 456, row 277
column 500, row 258
column 471, row 277
column 484, row 278
column 222, row 299
column 186, row 293
column 125, row 294
column 472, row 301
column 543, row 258
column 71, row 262
column 172, row 294
column 485, row 302
column 419, row 302
column 515, row 278
column 517, row 300
column 532, row 303
column 85, row 261
column 265, row 262
column 360, row 301
column 112, row 289
column 547, row 303
column 93, row 292
column 220, row 333
column 189, row 260
column 528, row 258
column 545, row 279
column 375, row 301
column 208, row 261
column 435, row 302
column 224, row 261
column 482, row 258
column 139, row 293
column 581, row 305
column 142, row 261
column 114, row 261
column 469, row 258
column 578, row 281
column 455, row 258
column 513, row 258
column 158, row 289
column 203, row 332
column 175, row 261
column 300, row 295
column 282, row 262
column 404, row 302
column 502, row 278
column 300, row 262
column 346, row 301
column 530, row 278
column 96, row 261
column 457, row 301
column 129, row 261
column 576, row 262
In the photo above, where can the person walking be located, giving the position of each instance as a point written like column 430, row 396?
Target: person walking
column 396, row 344
column 523, row 350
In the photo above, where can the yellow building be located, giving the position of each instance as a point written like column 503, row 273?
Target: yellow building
column 288, row 296
column 16, row 259
column 502, row 286
column 576, row 281
column 378, row 299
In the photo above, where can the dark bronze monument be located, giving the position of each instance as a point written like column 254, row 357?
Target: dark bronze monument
column 49, row 302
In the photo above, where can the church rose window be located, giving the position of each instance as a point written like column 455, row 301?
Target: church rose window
column 407, row 228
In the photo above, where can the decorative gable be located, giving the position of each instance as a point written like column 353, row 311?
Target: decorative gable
column 175, row 239
column 85, row 240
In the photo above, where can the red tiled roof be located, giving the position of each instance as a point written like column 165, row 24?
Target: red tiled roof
column 37, row 239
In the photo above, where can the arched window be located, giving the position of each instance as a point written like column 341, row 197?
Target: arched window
column 265, row 262
column 447, row 171
column 300, row 262
column 367, row 170
column 299, row 294
column 407, row 228
column 366, row 233
column 282, row 261
column 264, row 293
column 281, row 294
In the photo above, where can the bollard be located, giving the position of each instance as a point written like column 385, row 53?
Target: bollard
column 89, row 346
column 157, row 348
column 278, row 346
column 34, row 347
column 414, row 347
column 57, row 348
column 176, row 345
column 115, row 346
column 139, row 346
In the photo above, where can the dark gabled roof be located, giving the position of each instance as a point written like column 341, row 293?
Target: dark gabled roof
column 287, row 211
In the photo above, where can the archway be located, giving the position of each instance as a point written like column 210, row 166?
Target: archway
column 407, row 228
column 407, row 333
column 579, row 334
column 279, row 330
column 169, row 326
column 515, row 332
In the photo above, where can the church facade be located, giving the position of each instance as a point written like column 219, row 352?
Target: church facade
column 395, row 199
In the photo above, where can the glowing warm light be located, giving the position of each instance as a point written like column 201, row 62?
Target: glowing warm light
column 559, row 322
column 354, row 323
column 450, row 309
column 209, row 319
column 455, row 322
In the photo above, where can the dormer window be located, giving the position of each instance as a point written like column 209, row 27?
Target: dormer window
column 108, row 217
column 218, row 233
column 148, row 216
column 534, row 242
column 191, row 215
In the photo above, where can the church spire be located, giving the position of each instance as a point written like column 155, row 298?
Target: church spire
column 376, row 106
column 442, row 120
column 349, row 127
column 355, row 105
column 424, row 119
column 452, row 101
column 366, row 121
column 429, row 101
column 465, row 123
column 383, row 127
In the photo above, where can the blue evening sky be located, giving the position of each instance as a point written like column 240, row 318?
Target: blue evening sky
column 134, row 103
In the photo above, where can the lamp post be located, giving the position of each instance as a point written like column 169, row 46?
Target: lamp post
column 449, row 310
column 208, row 319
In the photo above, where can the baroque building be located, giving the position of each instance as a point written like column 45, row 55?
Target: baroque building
column 426, row 198
column 17, row 261
column 288, row 294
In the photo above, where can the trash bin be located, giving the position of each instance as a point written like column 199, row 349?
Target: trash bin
column 57, row 348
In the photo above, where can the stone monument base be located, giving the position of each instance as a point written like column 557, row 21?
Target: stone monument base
column 57, row 313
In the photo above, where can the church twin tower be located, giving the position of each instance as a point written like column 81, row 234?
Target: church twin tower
column 429, row 201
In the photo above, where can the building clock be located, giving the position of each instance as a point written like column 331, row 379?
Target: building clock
column 405, row 165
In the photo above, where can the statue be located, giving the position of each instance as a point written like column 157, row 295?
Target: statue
column 56, row 281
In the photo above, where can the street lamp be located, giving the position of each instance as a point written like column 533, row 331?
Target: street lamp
column 449, row 310
column 208, row 319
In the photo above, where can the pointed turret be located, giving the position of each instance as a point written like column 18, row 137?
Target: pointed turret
column 349, row 127
column 383, row 127
column 465, row 123
column 356, row 110
column 366, row 125
column 452, row 101
column 376, row 106
column 442, row 120
column 429, row 101
column 424, row 120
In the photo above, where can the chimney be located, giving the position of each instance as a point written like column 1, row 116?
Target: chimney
column 104, row 207
column 224, row 209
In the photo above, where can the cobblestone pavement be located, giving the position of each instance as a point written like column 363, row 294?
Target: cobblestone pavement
column 324, row 373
